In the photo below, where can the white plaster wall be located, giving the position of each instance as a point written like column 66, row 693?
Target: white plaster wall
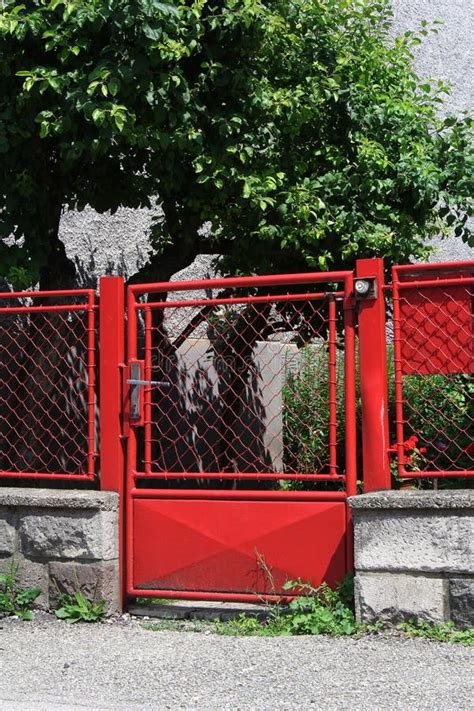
column 118, row 243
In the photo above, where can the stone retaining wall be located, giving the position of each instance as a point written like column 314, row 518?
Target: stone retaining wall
column 414, row 556
column 62, row 541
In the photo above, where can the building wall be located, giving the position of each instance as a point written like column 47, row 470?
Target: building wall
column 118, row 243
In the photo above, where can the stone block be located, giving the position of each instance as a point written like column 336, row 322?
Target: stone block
column 461, row 601
column 394, row 598
column 16, row 496
column 414, row 540
column 7, row 531
column 79, row 535
column 96, row 581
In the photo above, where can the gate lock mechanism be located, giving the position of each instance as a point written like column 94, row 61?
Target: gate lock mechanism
column 137, row 382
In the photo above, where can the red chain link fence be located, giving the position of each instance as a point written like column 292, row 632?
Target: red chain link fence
column 252, row 381
column 47, row 385
column 433, row 366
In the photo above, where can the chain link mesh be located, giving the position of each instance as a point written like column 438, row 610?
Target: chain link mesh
column 47, row 414
column 434, row 387
column 250, row 387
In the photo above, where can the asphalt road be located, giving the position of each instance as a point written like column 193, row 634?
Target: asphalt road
column 48, row 664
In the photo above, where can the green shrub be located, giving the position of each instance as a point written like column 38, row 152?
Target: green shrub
column 437, row 409
column 306, row 409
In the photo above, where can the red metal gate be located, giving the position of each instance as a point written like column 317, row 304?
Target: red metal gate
column 240, row 419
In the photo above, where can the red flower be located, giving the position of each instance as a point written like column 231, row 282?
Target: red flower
column 410, row 443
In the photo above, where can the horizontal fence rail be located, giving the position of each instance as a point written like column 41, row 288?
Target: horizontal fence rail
column 47, row 385
column 433, row 365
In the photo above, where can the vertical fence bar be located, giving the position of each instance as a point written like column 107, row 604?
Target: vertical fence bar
column 147, row 395
column 350, row 411
column 349, row 387
column 112, row 345
column 131, row 464
column 91, row 390
column 397, row 357
column 111, row 360
column 332, row 387
column 373, row 379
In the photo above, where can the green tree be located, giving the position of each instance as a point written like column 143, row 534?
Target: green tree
column 296, row 129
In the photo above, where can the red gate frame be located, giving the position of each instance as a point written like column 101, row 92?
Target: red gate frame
column 133, row 494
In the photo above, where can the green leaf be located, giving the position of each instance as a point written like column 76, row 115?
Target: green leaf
column 98, row 116
column 120, row 121
column 62, row 613
column 113, row 86
column 153, row 7
column 153, row 33
column 25, row 614
column 27, row 596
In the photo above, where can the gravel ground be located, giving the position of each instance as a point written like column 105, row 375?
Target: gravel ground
column 47, row 664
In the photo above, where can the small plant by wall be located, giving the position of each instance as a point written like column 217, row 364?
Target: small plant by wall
column 15, row 599
column 78, row 608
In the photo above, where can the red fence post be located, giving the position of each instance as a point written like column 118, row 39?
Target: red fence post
column 373, row 379
column 112, row 319
column 111, row 353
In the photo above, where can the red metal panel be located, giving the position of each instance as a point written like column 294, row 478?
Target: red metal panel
column 223, row 545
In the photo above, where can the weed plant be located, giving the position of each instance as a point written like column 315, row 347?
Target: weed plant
column 15, row 600
column 441, row 633
column 78, row 608
column 322, row 610
column 314, row 611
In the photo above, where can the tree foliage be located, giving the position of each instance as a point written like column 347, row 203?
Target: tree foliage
column 297, row 130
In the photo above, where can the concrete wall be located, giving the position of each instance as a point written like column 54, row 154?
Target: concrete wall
column 62, row 541
column 414, row 556
column 118, row 244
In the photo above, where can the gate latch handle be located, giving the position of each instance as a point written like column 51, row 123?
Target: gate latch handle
column 136, row 381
